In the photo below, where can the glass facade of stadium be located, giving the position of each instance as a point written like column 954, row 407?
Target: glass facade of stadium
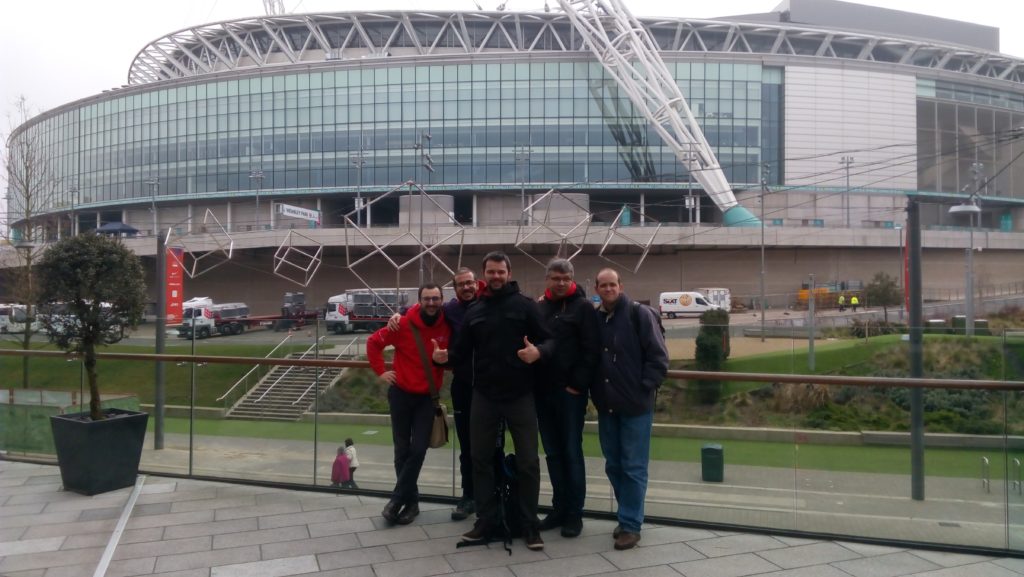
column 306, row 131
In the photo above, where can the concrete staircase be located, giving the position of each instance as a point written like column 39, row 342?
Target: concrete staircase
column 274, row 397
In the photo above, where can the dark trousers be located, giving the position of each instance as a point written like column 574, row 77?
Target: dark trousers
column 462, row 400
column 560, row 415
column 521, row 416
column 411, row 420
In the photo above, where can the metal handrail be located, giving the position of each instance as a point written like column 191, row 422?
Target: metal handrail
column 312, row 347
column 246, row 375
column 318, row 376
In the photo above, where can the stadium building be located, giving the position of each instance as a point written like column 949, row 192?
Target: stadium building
column 825, row 117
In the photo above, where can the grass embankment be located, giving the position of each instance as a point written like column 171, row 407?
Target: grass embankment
column 866, row 459
column 137, row 377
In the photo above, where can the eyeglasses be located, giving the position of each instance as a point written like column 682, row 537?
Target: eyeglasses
column 431, row 299
column 466, row 283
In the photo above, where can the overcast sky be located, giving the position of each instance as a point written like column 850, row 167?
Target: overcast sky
column 56, row 51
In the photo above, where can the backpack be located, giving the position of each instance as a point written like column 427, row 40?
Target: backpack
column 506, row 493
column 634, row 317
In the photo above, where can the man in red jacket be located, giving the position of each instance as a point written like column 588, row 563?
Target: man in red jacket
column 412, row 410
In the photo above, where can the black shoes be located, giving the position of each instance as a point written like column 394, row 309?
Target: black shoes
column 480, row 531
column 390, row 512
column 465, row 507
column 572, row 527
column 409, row 512
column 533, row 540
column 554, row 519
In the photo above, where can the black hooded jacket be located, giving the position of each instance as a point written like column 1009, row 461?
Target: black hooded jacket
column 575, row 351
column 491, row 335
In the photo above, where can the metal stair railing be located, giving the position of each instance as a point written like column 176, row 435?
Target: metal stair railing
column 319, row 375
column 253, row 369
column 311, row 348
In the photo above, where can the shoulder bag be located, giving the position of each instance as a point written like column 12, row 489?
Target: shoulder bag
column 439, row 429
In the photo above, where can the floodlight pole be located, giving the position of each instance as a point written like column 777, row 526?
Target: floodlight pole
column 161, row 336
column 257, row 175
column 810, row 324
column 916, row 350
column 847, row 161
column 765, row 172
column 428, row 166
column 154, row 189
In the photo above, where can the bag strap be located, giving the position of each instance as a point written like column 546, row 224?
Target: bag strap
column 427, row 365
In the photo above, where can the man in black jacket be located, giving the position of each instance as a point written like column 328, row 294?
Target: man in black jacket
column 633, row 364
column 562, row 394
column 502, row 322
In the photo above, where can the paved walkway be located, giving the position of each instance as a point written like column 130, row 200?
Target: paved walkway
column 188, row 528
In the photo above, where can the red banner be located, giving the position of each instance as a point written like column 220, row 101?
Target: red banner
column 174, row 284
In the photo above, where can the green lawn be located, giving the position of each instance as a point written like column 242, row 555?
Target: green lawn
column 860, row 459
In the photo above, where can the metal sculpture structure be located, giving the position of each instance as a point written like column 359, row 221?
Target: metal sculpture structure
column 547, row 221
column 197, row 262
column 425, row 249
column 628, row 54
column 613, row 232
column 295, row 257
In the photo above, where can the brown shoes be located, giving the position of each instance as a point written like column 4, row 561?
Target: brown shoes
column 626, row 540
column 409, row 512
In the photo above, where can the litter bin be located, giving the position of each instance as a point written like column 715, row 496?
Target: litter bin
column 712, row 463
column 981, row 328
column 936, row 327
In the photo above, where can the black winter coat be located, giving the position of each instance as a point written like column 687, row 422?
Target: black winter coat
column 572, row 354
column 491, row 335
column 634, row 360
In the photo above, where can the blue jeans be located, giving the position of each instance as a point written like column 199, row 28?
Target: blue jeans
column 626, row 444
column 560, row 415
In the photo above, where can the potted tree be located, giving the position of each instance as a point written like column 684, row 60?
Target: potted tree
column 91, row 290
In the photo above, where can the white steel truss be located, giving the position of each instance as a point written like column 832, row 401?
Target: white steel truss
column 630, row 56
column 254, row 43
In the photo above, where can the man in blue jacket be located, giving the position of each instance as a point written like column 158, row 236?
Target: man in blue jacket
column 633, row 364
column 562, row 393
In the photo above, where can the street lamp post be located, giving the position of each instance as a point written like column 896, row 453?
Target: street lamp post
column 522, row 156
column 847, row 161
column 74, row 197
column 359, row 161
column 899, row 278
column 154, row 189
column 257, row 175
column 765, row 171
column 970, row 208
column 428, row 166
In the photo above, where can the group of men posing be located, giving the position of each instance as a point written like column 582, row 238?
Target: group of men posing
column 532, row 366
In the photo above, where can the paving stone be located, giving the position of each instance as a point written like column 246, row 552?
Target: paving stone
column 564, row 567
column 45, row 559
column 331, row 502
column 162, row 547
column 813, row 554
column 449, row 529
column 202, row 494
column 426, row 548
column 340, row 527
column 943, row 559
column 735, row 544
column 662, row 535
column 213, row 503
column 12, row 534
column 656, row 571
column 421, row 567
column 30, row 546
column 269, row 568
column 983, row 569
column 361, row 571
column 392, row 535
column 83, row 503
column 869, row 549
column 558, row 547
column 227, row 540
column 309, row 546
column 257, row 511
column 26, row 509
column 489, row 572
column 302, row 518
column 813, row 571
column 101, row 539
column 211, row 528
column 171, row 519
column 891, row 565
column 1011, row 564
column 645, row 556
column 129, row 567
column 202, row 572
column 166, row 563
column 40, row 520
column 729, row 566
column 493, row 555
column 353, row 558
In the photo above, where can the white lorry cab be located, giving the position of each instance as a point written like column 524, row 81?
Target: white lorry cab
column 206, row 318
column 684, row 303
column 336, row 314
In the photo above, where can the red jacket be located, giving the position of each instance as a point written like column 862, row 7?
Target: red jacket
column 408, row 368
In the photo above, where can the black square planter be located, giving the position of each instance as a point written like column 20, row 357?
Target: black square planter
column 99, row 456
